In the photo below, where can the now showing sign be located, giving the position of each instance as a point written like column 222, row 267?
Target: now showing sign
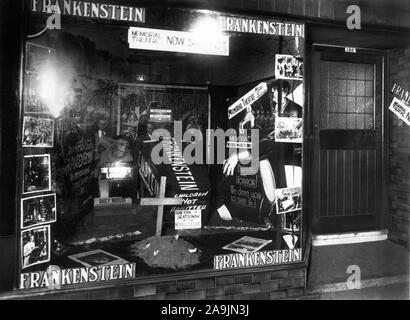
column 247, row 99
column 177, row 41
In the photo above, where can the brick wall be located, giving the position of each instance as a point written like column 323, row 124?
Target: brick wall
column 399, row 152
column 263, row 285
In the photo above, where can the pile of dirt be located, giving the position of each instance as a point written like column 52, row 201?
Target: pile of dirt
column 166, row 252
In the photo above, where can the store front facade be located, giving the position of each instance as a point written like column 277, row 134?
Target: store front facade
column 176, row 152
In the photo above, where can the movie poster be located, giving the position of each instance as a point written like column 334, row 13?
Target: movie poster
column 246, row 199
column 169, row 103
column 76, row 170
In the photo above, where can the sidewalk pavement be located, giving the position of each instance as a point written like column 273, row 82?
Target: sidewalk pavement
column 384, row 271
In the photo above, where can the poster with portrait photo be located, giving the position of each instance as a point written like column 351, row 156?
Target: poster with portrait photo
column 288, row 199
column 288, row 67
column 38, row 132
column 37, row 173
column 289, row 130
column 97, row 258
column 35, row 246
column 38, row 210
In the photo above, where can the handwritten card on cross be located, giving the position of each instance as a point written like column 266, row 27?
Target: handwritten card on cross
column 160, row 201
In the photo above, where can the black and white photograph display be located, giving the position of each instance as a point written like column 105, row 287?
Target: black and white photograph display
column 177, row 150
column 288, row 130
column 288, row 67
column 38, row 210
column 288, row 199
column 37, row 173
column 35, row 246
column 38, row 132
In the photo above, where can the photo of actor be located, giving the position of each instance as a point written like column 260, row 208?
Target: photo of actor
column 35, row 248
column 27, row 250
column 280, row 91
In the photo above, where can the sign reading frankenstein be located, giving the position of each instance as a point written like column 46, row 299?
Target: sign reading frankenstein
column 89, row 10
column 54, row 278
column 256, row 259
column 271, row 27
column 400, row 103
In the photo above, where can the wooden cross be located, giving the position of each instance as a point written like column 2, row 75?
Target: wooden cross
column 160, row 201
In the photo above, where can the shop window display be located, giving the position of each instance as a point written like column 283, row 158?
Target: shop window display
column 100, row 138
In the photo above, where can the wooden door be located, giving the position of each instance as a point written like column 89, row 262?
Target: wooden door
column 347, row 130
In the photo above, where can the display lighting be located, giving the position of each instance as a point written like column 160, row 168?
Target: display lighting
column 54, row 90
column 206, row 29
column 118, row 171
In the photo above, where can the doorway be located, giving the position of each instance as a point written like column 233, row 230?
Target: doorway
column 347, row 140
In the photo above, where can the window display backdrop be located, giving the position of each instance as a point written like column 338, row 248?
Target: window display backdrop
column 88, row 166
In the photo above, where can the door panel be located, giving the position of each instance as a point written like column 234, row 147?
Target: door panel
column 347, row 141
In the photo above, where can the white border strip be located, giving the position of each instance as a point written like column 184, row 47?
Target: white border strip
column 346, row 238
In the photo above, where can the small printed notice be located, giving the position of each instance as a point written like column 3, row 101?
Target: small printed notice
column 187, row 219
column 400, row 110
column 239, row 145
column 247, row 244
